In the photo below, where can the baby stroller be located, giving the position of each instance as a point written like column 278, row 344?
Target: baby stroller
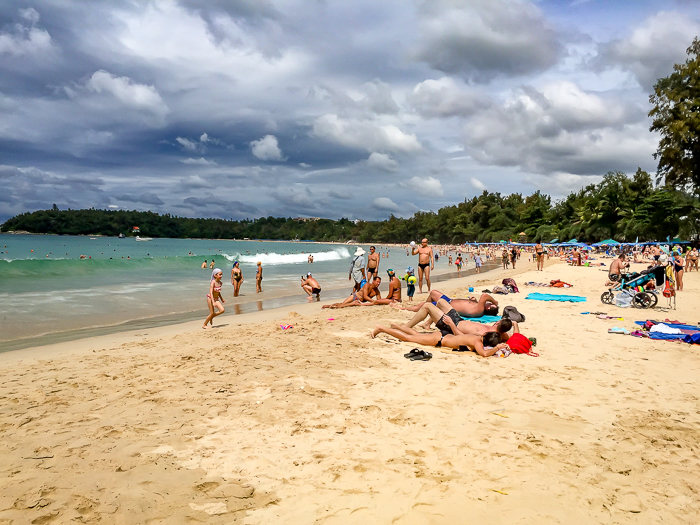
column 636, row 283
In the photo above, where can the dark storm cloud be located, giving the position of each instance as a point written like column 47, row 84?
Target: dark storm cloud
column 145, row 198
column 486, row 38
column 249, row 108
column 651, row 49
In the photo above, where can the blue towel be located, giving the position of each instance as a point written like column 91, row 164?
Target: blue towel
column 554, row 297
column 485, row 319
column 666, row 337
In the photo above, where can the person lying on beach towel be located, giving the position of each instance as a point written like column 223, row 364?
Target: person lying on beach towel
column 485, row 345
column 470, row 307
column 448, row 321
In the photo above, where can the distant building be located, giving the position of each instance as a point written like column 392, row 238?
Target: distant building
column 306, row 219
column 135, row 229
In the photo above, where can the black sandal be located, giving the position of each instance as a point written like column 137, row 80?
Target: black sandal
column 413, row 353
column 422, row 356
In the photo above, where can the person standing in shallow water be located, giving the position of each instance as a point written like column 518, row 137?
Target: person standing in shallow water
column 258, row 278
column 236, row 278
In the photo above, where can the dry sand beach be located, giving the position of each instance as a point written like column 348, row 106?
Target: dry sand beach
column 248, row 423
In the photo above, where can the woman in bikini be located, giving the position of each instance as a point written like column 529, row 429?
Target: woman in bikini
column 678, row 268
column 485, row 345
column 214, row 299
column 236, row 278
column 539, row 251
column 258, row 278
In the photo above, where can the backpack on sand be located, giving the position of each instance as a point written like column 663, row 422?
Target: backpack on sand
column 511, row 312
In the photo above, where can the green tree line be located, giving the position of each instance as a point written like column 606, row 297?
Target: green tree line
column 619, row 207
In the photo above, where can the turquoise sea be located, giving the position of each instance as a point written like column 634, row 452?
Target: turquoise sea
column 48, row 293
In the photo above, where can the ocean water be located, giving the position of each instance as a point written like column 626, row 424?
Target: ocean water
column 47, row 290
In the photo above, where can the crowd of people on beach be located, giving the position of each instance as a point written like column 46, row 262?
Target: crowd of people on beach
column 452, row 317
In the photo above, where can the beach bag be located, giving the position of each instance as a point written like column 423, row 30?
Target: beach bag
column 624, row 299
column 511, row 312
column 520, row 344
column 510, row 283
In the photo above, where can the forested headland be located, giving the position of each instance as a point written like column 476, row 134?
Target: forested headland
column 620, row 207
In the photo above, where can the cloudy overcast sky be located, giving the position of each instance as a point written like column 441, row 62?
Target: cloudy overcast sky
column 334, row 108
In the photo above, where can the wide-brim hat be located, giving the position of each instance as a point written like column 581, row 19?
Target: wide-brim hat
column 359, row 251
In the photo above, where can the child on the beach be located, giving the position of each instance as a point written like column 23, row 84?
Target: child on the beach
column 458, row 264
column 477, row 262
column 410, row 283
column 214, row 299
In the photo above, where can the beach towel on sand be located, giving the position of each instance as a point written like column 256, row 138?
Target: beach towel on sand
column 555, row 297
column 485, row 319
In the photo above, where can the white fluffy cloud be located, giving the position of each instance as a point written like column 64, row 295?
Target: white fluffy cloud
column 385, row 204
column 26, row 39
column 201, row 161
column 560, row 129
column 128, row 92
column 382, row 161
column 427, row 186
column 364, row 134
column 267, row 148
column 444, row 98
column 477, row 184
column 653, row 47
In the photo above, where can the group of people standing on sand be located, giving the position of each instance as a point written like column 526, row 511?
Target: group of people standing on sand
column 215, row 300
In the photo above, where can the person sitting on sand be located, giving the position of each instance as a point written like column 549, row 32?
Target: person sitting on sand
column 394, row 295
column 448, row 321
column 311, row 286
column 485, row 345
column 470, row 307
column 365, row 297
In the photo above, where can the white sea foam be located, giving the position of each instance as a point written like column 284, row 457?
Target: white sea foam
column 336, row 254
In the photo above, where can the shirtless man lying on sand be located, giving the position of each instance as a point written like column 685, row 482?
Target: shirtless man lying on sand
column 486, row 305
column 365, row 297
column 448, row 321
column 485, row 345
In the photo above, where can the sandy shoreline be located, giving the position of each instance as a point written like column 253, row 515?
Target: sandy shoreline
column 321, row 424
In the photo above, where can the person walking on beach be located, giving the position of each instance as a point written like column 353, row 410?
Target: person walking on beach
column 215, row 301
column 458, row 264
column 539, row 252
column 258, row 278
column 311, row 286
column 477, row 262
column 513, row 256
column 372, row 263
column 236, row 278
column 426, row 262
column 357, row 269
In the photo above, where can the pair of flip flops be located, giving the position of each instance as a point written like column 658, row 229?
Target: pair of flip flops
column 418, row 355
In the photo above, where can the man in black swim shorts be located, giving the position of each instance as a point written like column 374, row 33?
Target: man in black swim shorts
column 311, row 286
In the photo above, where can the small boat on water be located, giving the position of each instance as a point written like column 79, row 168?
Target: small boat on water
column 122, row 236
column 143, row 238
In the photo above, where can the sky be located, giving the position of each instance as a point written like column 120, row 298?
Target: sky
column 325, row 108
